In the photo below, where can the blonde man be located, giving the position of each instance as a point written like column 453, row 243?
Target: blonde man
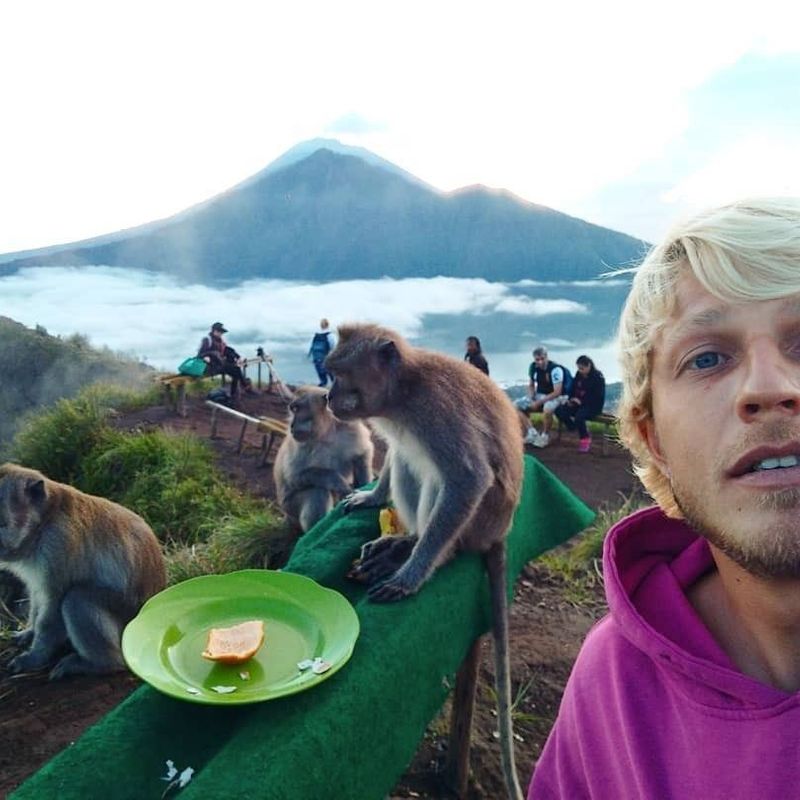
column 690, row 687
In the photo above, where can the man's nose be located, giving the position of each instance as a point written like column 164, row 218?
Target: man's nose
column 771, row 383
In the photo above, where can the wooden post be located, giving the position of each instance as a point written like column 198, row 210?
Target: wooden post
column 457, row 769
column 241, row 437
column 266, row 446
column 213, row 423
column 182, row 409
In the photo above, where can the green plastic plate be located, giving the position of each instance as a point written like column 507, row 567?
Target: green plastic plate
column 302, row 621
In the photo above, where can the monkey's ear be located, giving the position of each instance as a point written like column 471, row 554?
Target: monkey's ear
column 388, row 352
column 36, row 491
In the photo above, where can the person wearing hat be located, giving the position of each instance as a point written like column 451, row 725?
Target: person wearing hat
column 221, row 358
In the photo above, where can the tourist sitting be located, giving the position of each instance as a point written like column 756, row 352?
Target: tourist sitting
column 586, row 400
column 221, row 358
column 548, row 387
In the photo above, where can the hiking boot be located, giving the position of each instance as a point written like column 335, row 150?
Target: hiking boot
column 584, row 445
column 542, row 440
column 531, row 436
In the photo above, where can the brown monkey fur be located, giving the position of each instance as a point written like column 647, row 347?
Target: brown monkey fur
column 321, row 460
column 453, row 470
column 88, row 565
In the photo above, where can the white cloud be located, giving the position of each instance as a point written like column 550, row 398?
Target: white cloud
column 539, row 308
column 757, row 165
column 353, row 123
column 154, row 317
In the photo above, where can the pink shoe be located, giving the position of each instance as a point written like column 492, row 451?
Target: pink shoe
column 584, row 445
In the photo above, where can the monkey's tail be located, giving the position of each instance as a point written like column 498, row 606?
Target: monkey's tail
column 496, row 568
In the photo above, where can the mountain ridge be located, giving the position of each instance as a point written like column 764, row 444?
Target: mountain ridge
column 335, row 216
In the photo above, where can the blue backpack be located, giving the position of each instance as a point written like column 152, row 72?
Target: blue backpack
column 566, row 385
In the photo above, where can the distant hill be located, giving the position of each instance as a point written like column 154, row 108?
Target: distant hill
column 38, row 369
column 335, row 215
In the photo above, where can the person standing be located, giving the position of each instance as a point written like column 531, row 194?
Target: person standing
column 321, row 345
column 475, row 355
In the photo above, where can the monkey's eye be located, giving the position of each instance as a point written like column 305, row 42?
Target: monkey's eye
column 325, row 397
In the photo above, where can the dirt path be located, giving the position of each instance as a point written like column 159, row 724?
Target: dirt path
column 38, row 719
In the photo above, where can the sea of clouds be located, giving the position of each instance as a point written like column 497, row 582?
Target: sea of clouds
column 161, row 321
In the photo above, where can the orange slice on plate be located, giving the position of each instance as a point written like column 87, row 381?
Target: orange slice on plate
column 235, row 644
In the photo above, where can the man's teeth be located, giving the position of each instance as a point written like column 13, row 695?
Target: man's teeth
column 775, row 463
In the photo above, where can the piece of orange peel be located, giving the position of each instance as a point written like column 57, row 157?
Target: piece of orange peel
column 389, row 522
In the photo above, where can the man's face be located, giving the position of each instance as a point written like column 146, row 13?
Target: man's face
column 726, row 424
column 471, row 346
column 540, row 361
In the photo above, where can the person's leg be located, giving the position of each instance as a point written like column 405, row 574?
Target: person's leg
column 585, row 442
column 236, row 377
column 565, row 414
column 581, row 417
column 322, row 374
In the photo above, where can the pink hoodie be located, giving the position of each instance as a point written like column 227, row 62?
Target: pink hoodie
column 654, row 708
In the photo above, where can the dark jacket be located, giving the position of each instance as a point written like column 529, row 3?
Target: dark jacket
column 478, row 360
column 590, row 390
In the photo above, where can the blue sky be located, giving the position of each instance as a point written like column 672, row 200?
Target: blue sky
column 625, row 113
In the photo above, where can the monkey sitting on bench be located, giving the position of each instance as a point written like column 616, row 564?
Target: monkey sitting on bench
column 320, row 461
column 88, row 565
column 453, row 469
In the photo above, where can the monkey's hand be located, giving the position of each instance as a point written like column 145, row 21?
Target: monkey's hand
column 362, row 498
column 32, row 661
column 382, row 557
column 23, row 639
column 398, row 587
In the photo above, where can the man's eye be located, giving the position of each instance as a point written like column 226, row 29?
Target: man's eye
column 706, row 361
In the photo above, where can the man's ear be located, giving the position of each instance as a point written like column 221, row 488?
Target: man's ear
column 648, row 432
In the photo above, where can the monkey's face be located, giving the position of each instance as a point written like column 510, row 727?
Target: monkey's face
column 363, row 379
column 22, row 502
column 309, row 415
column 345, row 399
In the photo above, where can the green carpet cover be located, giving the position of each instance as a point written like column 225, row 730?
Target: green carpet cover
column 351, row 737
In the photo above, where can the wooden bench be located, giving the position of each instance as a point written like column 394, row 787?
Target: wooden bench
column 269, row 427
column 174, row 384
column 609, row 423
column 174, row 390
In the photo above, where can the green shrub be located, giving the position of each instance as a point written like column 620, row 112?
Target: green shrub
column 57, row 441
column 167, row 478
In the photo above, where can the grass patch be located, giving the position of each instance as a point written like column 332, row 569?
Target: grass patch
column 260, row 540
column 579, row 565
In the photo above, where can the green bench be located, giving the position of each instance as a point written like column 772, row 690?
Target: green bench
column 349, row 738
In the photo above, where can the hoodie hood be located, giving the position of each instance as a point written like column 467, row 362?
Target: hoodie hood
column 650, row 561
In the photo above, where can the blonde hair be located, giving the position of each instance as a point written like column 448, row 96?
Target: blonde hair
column 743, row 252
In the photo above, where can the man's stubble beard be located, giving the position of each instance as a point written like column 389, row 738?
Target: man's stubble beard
column 770, row 553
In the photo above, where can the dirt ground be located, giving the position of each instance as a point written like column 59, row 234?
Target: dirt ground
column 38, row 718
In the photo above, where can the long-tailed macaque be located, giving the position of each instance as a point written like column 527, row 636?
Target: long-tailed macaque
column 88, row 565
column 453, row 469
column 321, row 460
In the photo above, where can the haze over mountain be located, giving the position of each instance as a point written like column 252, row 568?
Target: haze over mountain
column 330, row 212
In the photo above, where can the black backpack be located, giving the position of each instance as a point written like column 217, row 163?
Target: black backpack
column 219, row 395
